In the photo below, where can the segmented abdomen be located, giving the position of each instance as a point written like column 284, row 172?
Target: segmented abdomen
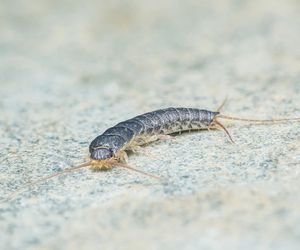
column 163, row 121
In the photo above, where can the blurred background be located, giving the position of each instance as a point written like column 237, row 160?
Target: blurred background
column 69, row 69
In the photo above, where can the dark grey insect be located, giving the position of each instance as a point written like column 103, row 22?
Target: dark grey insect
column 109, row 149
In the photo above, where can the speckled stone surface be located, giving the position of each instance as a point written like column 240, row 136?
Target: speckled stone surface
column 69, row 70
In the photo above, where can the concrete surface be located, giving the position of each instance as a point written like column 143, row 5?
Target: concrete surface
column 69, row 70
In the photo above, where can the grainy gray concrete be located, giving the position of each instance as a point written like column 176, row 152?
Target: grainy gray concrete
column 69, row 70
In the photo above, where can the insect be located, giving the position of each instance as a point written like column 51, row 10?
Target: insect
column 109, row 149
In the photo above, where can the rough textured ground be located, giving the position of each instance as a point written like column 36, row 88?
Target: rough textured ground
column 69, row 69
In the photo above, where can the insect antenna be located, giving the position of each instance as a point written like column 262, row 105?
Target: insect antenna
column 23, row 189
column 258, row 120
column 118, row 164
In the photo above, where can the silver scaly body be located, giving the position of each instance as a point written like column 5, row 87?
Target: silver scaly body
column 148, row 127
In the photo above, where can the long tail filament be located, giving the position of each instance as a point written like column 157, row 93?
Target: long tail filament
column 263, row 121
column 224, row 128
column 257, row 120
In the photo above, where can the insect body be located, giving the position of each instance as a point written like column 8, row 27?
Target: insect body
column 110, row 147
